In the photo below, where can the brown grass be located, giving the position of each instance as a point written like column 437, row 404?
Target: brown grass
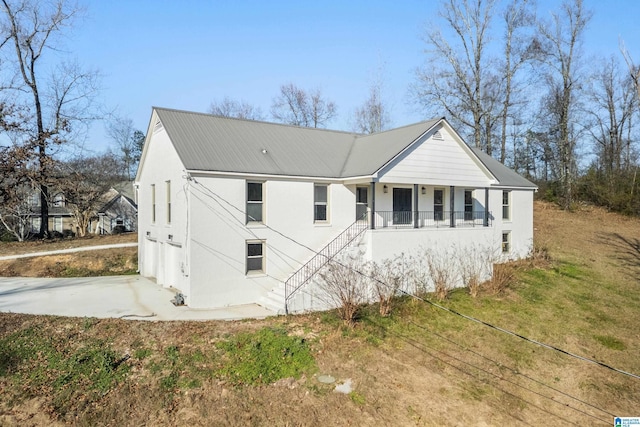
column 418, row 367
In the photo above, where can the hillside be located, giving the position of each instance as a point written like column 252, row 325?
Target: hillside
column 422, row 366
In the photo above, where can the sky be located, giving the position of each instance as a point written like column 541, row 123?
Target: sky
column 186, row 54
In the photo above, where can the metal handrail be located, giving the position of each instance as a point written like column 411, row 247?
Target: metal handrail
column 322, row 257
column 431, row 219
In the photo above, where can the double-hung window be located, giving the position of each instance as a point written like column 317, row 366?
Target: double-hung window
column 506, row 241
column 255, row 256
column 320, row 202
column 362, row 201
column 255, row 202
column 468, row 205
column 506, row 205
column 438, row 204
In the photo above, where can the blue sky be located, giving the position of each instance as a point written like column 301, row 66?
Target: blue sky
column 184, row 54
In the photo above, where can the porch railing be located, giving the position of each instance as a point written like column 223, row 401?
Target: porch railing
column 431, row 219
column 326, row 254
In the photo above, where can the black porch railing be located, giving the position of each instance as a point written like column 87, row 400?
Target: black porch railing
column 431, row 219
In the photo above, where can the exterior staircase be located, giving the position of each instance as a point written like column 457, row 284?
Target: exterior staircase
column 279, row 298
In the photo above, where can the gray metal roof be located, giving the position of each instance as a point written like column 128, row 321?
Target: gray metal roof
column 213, row 143
column 506, row 177
column 372, row 152
column 206, row 142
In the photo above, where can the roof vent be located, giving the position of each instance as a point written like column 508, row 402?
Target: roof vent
column 437, row 135
column 158, row 127
column 264, row 151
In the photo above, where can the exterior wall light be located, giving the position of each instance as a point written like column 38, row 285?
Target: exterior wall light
column 385, row 189
column 424, row 190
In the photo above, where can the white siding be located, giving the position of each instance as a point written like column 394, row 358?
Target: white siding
column 219, row 235
column 163, row 254
column 436, row 162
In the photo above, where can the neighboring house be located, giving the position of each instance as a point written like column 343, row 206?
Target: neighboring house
column 60, row 216
column 230, row 210
column 119, row 213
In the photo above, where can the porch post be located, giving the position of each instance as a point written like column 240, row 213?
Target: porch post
column 486, row 207
column 415, row 206
column 452, row 198
column 372, row 206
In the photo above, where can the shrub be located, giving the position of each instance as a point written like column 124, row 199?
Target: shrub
column 345, row 287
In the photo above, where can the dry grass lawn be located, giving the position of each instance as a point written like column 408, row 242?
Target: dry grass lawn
column 420, row 367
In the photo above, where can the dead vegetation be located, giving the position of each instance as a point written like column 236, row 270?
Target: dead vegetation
column 417, row 366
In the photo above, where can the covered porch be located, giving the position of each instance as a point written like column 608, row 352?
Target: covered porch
column 399, row 205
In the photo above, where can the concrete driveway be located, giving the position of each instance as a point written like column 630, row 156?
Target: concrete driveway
column 128, row 297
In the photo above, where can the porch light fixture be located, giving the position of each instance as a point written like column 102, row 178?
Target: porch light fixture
column 424, row 190
column 385, row 189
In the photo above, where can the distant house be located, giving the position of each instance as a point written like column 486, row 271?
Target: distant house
column 235, row 211
column 60, row 216
column 119, row 213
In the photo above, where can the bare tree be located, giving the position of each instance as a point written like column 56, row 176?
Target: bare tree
column 614, row 105
column 517, row 51
column 52, row 107
column 455, row 75
column 128, row 141
column 295, row 106
column 561, row 38
column 84, row 182
column 373, row 115
column 16, row 192
column 228, row 107
column 634, row 70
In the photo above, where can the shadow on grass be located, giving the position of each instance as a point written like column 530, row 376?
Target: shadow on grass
column 627, row 250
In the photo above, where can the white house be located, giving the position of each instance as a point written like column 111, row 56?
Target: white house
column 235, row 211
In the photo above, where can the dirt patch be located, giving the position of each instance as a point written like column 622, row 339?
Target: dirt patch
column 81, row 264
column 419, row 368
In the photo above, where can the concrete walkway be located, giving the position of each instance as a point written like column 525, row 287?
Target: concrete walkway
column 68, row 251
column 127, row 297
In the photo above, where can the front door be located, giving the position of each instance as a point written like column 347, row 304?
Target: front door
column 402, row 206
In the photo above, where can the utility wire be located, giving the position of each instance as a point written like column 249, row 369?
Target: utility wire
column 449, row 310
column 516, row 372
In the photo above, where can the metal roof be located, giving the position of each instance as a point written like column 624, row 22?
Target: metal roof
column 205, row 142
column 506, row 177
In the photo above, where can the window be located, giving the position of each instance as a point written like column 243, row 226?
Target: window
column 320, row 202
column 153, row 203
column 57, row 224
column 255, row 204
column 168, row 183
column 255, row 256
column 506, row 205
column 438, row 204
column 506, row 241
column 468, row 205
column 362, row 200
column 58, row 200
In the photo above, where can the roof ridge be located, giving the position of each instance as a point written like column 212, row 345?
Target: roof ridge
column 174, row 110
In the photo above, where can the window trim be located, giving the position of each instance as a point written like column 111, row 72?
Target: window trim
column 248, row 219
column 439, row 217
column 506, row 243
column 361, row 206
column 506, row 206
column 317, row 203
column 153, row 203
column 168, row 187
column 468, row 214
column 262, row 257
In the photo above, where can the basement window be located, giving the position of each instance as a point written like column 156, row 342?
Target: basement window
column 255, row 256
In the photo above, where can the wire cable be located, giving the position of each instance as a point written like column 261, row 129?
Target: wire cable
column 449, row 310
